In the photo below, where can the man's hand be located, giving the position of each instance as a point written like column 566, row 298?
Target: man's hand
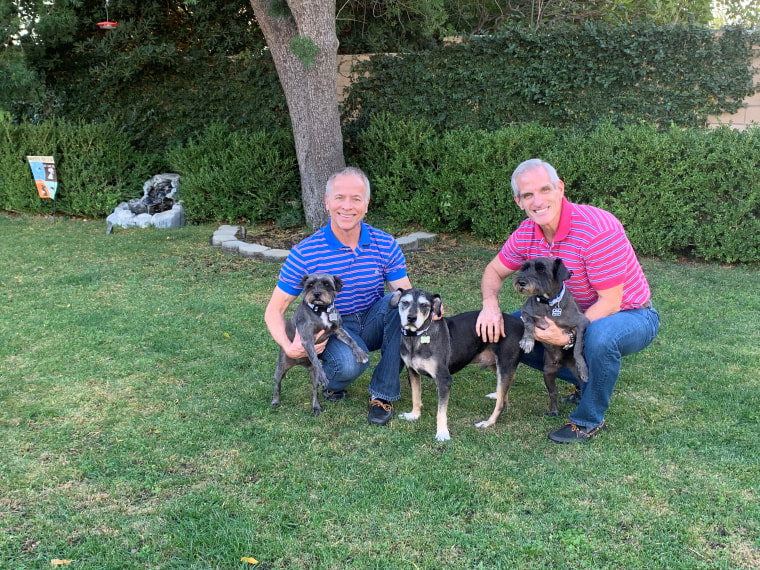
column 490, row 325
column 296, row 349
column 552, row 334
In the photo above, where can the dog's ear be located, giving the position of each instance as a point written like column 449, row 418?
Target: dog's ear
column 338, row 283
column 395, row 298
column 561, row 273
column 437, row 305
column 304, row 279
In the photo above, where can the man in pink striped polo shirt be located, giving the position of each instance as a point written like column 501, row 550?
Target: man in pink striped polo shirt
column 607, row 282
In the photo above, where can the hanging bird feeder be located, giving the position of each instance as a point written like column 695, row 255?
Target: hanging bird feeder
column 107, row 25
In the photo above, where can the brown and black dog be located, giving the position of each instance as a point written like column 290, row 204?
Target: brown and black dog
column 440, row 348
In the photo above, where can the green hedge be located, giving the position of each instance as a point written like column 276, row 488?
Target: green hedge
column 679, row 192
column 96, row 165
column 238, row 176
column 561, row 76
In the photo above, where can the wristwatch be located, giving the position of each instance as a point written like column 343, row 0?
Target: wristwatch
column 571, row 342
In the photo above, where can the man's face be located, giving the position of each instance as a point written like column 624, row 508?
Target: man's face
column 347, row 202
column 539, row 198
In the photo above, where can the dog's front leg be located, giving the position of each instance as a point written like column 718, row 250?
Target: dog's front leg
column 416, row 385
column 359, row 353
column 443, row 383
column 307, row 340
column 528, row 339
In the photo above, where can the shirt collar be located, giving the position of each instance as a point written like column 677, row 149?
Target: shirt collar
column 334, row 243
column 563, row 229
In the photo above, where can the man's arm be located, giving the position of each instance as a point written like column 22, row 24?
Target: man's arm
column 402, row 283
column 274, row 316
column 490, row 323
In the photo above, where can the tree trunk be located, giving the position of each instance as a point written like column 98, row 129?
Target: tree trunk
column 310, row 91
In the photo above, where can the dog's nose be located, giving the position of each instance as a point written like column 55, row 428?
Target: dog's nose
column 521, row 282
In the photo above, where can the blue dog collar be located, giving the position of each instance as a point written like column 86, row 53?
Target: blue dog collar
column 552, row 302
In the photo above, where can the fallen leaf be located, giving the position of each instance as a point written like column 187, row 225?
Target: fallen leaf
column 249, row 560
column 59, row 562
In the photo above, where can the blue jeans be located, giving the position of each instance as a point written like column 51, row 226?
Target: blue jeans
column 376, row 328
column 605, row 342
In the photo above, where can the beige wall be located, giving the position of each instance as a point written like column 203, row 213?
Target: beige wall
column 748, row 114
column 740, row 120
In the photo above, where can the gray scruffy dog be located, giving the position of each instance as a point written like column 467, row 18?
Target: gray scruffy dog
column 315, row 314
column 542, row 279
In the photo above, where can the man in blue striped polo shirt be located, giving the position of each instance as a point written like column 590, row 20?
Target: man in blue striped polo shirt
column 365, row 258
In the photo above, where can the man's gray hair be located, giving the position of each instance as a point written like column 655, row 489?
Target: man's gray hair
column 348, row 171
column 529, row 165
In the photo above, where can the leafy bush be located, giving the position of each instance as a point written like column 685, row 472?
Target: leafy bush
column 96, row 165
column 679, row 192
column 561, row 76
column 238, row 176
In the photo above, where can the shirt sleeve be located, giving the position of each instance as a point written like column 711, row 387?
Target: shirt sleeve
column 395, row 268
column 510, row 255
column 291, row 273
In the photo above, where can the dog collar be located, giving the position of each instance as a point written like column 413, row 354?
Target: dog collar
column 552, row 302
column 320, row 308
column 556, row 310
column 417, row 333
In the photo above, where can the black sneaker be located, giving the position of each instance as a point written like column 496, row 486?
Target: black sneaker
column 334, row 395
column 570, row 433
column 574, row 397
column 380, row 412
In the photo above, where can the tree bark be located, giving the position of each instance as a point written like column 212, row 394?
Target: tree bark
column 311, row 93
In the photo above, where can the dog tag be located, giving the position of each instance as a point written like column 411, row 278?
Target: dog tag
column 556, row 312
column 333, row 317
column 424, row 339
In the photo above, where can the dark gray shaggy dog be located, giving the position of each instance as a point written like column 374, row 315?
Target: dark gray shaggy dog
column 542, row 280
column 315, row 314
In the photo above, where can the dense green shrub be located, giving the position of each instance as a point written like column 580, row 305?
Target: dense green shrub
column 96, row 165
column 561, row 76
column 237, row 176
column 678, row 192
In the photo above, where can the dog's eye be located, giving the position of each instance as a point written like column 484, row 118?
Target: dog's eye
column 525, row 266
column 404, row 304
column 540, row 268
column 424, row 307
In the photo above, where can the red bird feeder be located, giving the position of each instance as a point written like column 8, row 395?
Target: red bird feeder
column 107, row 25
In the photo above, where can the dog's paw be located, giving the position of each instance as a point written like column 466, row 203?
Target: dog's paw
column 527, row 344
column 322, row 379
column 275, row 403
column 361, row 357
column 316, row 410
column 583, row 371
column 484, row 424
column 492, row 396
column 409, row 416
column 552, row 413
column 442, row 436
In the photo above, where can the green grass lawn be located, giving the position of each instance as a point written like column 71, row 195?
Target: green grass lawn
column 136, row 429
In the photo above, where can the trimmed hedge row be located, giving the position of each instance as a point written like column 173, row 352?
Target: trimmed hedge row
column 679, row 192
column 96, row 164
column 689, row 192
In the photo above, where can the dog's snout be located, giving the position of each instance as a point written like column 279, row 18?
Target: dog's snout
column 521, row 282
column 411, row 317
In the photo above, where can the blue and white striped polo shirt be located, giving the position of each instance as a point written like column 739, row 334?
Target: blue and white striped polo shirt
column 377, row 259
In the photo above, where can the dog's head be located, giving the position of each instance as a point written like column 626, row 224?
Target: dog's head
column 541, row 276
column 320, row 289
column 416, row 307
